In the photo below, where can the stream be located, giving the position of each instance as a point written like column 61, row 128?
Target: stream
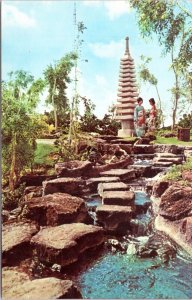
column 115, row 274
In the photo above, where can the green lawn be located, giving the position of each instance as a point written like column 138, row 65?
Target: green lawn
column 172, row 140
column 42, row 152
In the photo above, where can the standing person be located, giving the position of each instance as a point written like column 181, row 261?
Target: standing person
column 139, row 118
column 152, row 115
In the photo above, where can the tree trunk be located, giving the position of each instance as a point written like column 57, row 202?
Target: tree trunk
column 176, row 93
column 160, row 105
column 12, row 175
column 54, row 105
column 71, row 122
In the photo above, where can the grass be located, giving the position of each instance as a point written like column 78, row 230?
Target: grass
column 172, row 140
column 42, row 154
column 174, row 174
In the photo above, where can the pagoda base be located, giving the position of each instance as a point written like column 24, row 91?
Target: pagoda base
column 126, row 132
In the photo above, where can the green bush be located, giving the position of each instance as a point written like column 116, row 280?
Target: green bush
column 175, row 173
column 69, row 151
column 186, row 121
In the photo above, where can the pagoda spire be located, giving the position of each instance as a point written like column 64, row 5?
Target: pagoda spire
column 127, row 46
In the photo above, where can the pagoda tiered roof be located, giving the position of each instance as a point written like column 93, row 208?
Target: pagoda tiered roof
column 127, row 90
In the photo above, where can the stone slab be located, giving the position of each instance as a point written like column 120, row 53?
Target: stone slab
column 18, row 286
column 92, row 183
column 112, row 186
column 56, row 209
column 73, row 186
column 143, row 149
column 164, row 148
column 122, row 198
column 16, row 241
column 113, row 216
column 163, row 163
column 63, row 244
column 123, row 174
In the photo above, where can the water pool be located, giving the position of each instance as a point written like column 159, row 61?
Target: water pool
column 122, row 276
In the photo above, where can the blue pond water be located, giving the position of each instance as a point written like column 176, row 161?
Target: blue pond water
column 121, row 277
column 125, row 276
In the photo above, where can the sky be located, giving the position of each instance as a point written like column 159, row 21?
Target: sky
column 36, row 34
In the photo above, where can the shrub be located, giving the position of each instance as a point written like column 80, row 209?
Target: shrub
column 186, row 120
column 174, row 174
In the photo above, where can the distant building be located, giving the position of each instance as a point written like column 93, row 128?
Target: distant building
column 127, row 94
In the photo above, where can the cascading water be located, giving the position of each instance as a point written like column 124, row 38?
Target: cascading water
column 127, row 275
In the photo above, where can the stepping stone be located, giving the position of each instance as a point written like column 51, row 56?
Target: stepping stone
column 168, row 157
column 163, row 164
column 121, row 198
column 56, row 209
column 164, row 148
column 63, row 244
column 112, row 186
column 144, row 156
column 166, row 154
column 92, row 183
column 18, row 286
column 123, row 174
column 16, row 241
column 73, row 186
column 113, row 216
column 143, row 149
column 122, row 141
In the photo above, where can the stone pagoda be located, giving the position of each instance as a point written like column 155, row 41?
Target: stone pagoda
column 127, row 94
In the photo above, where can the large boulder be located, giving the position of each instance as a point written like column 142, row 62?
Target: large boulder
column 73, row 186
column 187, row 175
column 176, row 202
column 157, row 245
column 16, row 241
column 56, row 209
column 73, row 168
column 159, row 188
column 65, row 243
column 179, row 230
column 122, row 198
column 114, row 218
column 17, row 285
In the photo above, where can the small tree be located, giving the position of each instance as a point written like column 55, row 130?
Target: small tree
column 57, row 77
column 20, row 126
column 171, row 22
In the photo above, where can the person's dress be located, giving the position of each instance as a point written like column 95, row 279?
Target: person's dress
column 139, row 119
column 152, row 118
